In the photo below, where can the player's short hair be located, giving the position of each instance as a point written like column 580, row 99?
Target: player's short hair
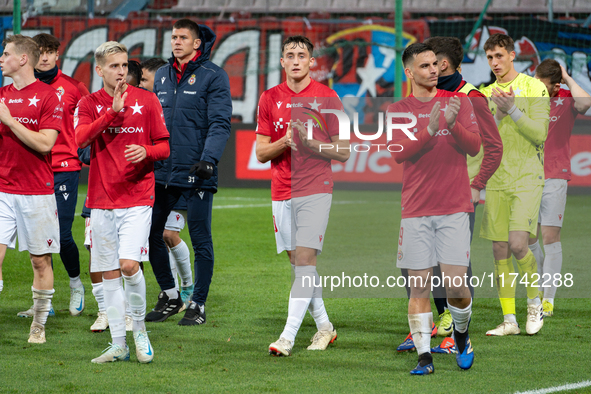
column 550, row 69
column 23, row 44
column 411, row 52
column 153, row 64
column 300, row 41
column 135, row 70
column 448, row 47
column 499, row 40
column 47, row 42
column 188, row 24
column 106, row 49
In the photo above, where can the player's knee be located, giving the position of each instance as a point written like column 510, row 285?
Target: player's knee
column 129, row 267
column 171, row 238
column 519, row 249
column 40, row 263
column 551, row 236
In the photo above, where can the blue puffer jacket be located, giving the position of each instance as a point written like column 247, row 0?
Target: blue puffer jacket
column 197, row 111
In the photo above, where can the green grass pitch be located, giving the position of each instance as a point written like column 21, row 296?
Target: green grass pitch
column 247, row 308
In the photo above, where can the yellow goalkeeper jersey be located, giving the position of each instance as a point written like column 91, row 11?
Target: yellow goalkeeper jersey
column 523, row 141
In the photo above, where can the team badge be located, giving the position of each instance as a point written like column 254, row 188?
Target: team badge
column 192, row 79
column 399, row 255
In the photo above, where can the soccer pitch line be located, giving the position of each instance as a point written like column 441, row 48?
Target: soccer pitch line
column 566, row 387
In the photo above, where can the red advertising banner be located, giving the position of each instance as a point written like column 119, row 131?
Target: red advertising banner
column 373, row 166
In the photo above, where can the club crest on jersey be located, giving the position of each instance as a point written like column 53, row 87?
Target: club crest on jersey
column 34, row 100
column 192, row 79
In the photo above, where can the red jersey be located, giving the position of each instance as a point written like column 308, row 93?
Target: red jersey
column 64, row 155
column 557, row 146
column 435, row 178
column 113, row 181
column 22, row 169
column 311, row 173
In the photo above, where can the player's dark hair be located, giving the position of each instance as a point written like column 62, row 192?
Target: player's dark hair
column 24, row 44
column 448, row 47
column 499, row 40
column 550, row 69
column 411, row 51
column 300, row 41
column 135, row 70
column 188, row 24
column 153, row 64
column 47, row 42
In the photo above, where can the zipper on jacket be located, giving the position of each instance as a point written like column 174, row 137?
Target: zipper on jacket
column 169, row 172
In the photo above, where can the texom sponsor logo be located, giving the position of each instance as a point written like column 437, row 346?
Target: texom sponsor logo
column 26, row 120
column 130, row 130
column 345, row 127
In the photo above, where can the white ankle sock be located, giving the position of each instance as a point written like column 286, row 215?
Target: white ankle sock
column 136, row 284
column 182, row 256
column 41, row 304
column 299, row 299
column 420, row 328
column 461, row 317
column 99, row 295
column 510, row 318
column 172, row 294
column 115, row 298
column 75, row 282
column 552, row 265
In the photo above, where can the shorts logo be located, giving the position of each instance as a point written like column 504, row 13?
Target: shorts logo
column 192, row 79
column 320, row 237
column 275, row 224
column 56, row 213
column 66, row 195
column 559, row 216
column 400, row 238
column 400, row 255
column 468, row 254
column 144, row 251
column 529, row 221
column 178, row 217
column 201, row 194
column 49, row 242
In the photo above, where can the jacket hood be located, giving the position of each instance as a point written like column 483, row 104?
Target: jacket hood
column 207, row 40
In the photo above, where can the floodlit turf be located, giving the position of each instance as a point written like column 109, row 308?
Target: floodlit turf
column 247, row 308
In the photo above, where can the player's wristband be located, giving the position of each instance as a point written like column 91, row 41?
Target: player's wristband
column 516, row 114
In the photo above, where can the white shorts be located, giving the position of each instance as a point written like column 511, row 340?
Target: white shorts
column 87, row 233
column 310, row 218
column 282, row 225
column 553, row 202
column 176, row 220
column 33, row 219
column 117, row 234
column 425, row 241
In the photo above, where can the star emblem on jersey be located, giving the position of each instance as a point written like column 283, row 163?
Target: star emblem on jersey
column 33, row 101
column 137, row 109
column 99, row 108
column 559, row 101
column 315, row 105
column 517, row 92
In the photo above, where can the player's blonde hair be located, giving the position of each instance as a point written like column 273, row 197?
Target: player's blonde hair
column 24, row 45
column 106, row 49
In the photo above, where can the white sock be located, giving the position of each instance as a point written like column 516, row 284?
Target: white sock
column 552, row 265
column 299, row 299
column 182, row 256
column 115, row 298
column 536, row 249
column 136, row 285
column 461, row 317
column 173, row 269
column 41, row 304
column 99, row 295
column 75, row 282
column 316, row 307
column 172, row 294
column 420, row 328
column 1, row 285
column 114, row 315
column 534, row 301
column 510, row 318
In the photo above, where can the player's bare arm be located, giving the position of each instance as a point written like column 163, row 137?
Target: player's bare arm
column 267, row 150
column 119, row 97
column 41, row 141
column 582, row 98
column 338, row 149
